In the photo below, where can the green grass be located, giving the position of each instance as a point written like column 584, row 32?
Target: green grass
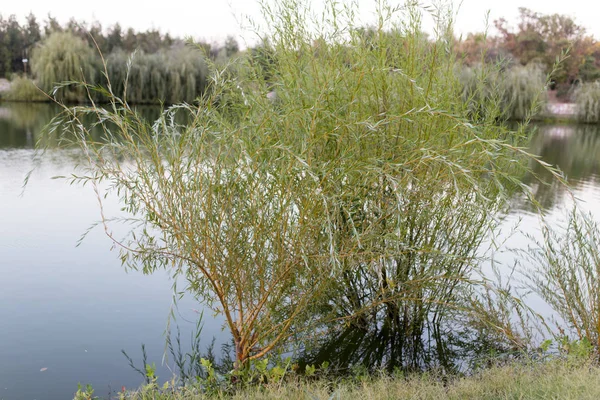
column 556, row 379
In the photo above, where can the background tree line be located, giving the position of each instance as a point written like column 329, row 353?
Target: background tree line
column 538, row 39
column 163, row 69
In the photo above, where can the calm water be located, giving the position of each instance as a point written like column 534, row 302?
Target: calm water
column 65, row 308
column 72, row 309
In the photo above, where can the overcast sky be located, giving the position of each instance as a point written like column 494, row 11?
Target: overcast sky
column 213, row 20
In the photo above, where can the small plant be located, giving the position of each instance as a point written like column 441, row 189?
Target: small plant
column 86, row 393
column 576, row 350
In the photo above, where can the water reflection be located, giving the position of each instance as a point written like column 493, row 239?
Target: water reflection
column 575, row 150
column 21, row 124
column 375, row 343
column 65, row 308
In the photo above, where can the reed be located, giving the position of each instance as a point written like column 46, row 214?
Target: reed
column 566, row 271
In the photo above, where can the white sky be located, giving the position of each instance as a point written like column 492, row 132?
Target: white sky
column 213, row 20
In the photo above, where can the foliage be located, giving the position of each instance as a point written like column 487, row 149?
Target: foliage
column 16, row 42
column 172, row 76
column 63, row 57
column 542, row 38
column 483, row 92
column 474, row 46
column 526, row 379
column 539, row 39
column 164, row 69
column 514, row 93
column 23, row 89
column 524, row 91
column 357, row 199
column 587, row 98
column 86, row 393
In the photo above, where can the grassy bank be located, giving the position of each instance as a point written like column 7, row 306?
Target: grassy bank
column 557, row 379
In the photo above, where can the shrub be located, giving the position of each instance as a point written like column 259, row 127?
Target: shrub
column 23, row 89
column 359, row 194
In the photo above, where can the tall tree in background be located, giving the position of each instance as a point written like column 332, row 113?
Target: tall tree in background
column 51, row 25
column 95, row 37
column 32, row 31
column 231, row 46
column 13, row 44
column 130, row 40
column 114, row 39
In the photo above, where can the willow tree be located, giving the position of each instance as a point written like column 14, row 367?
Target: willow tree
column 513, row 93
column 168, row 76
column 63, row 57
column 351, row 191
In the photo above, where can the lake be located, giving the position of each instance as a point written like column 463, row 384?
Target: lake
column 71, row 309
column 65, row 308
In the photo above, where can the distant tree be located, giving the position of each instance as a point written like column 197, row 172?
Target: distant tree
column 114, row 39
column 205, row 47
column 477, row 45
column 31, row 35
column 96, row 37
column 32, row 32
column 4, row 54
column 51, row 25
column 231, row 46
column 168, row 41
column 61, row 57
column 542, row 38
column 78, row 29
column 130, row 40
column 150, row 41
column 14, row 45
column 589, row 71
